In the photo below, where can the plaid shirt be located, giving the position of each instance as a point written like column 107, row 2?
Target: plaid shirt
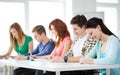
column 87, row 47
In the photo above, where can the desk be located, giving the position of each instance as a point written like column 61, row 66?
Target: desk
column 43, row 64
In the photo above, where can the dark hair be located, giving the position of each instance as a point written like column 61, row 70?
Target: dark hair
column 61, row 29
column 79, row 19
column 94, row 22
column 39, row 29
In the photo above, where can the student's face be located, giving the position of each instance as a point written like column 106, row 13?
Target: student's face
column 53, row 30
column 94, row 32
column 78, row 31
column 38, row 37
column 14, row 32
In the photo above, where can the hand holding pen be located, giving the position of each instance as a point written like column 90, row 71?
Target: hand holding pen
column 31, row 58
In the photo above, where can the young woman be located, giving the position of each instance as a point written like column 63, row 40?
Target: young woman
column 19, row 41
column 81, row 46
column 63, row 43
column 45, row 47
column 82, row 43
column 107, row 48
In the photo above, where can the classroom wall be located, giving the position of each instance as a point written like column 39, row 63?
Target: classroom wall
column 90, row 6
column 83, row 6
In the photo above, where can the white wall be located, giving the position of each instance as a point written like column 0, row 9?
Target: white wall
column 90, row 6
column 83, row 6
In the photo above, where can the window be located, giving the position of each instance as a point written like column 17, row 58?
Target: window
column 43, row 16
column 10, row 12
column 111, row 16
column 29, row 13
column 107, row 1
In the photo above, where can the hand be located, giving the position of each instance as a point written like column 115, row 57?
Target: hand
column 34, row 56
column 4, row 56
column 17, row 57
column 56, row 59
column 20, row 57
column 86, row 60
column 12, row 57
column 39, row 57
column 1, row 57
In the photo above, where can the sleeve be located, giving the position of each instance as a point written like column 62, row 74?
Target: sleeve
column 112, row 52
column 69, row 53
column 35, row 51
column 88, row 46
column 47, row 50
column 29, row 38
column 93, row 52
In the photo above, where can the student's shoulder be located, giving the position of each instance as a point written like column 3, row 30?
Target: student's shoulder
column 29, row 37
column 113, row 39
column 67, row 38
column 51, row 41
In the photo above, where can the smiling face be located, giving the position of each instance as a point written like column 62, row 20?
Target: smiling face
column 94, row 32
column 14, row 32
column 53, row 30
column 78, row 31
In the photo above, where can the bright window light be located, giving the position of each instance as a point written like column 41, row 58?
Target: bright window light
column 110, row 18
column 9, row 12
column 108, row 1
column 42, row 13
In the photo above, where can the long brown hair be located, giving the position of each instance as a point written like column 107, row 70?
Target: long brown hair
column 20, row 32
column 61, row 29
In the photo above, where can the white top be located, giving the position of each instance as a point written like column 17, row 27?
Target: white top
column 77, row 47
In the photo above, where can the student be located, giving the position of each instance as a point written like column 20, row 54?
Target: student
column 82, row 44
column 63, row 43
column 107, row 48
column 19, row 41
column 44, row 47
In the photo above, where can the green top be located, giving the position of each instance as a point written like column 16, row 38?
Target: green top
column 25, row 47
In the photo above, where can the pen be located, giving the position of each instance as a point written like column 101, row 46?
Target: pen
column 31, row 57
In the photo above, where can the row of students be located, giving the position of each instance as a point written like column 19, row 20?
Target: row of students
column 78, row 24
column 105, row 51
column 59, row 29
column 81, row 46
column 83, row 49
column 44, row 47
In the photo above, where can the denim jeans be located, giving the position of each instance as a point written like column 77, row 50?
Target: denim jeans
column 39, row 72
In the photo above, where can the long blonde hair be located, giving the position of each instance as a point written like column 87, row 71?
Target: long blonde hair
column 20, row 32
